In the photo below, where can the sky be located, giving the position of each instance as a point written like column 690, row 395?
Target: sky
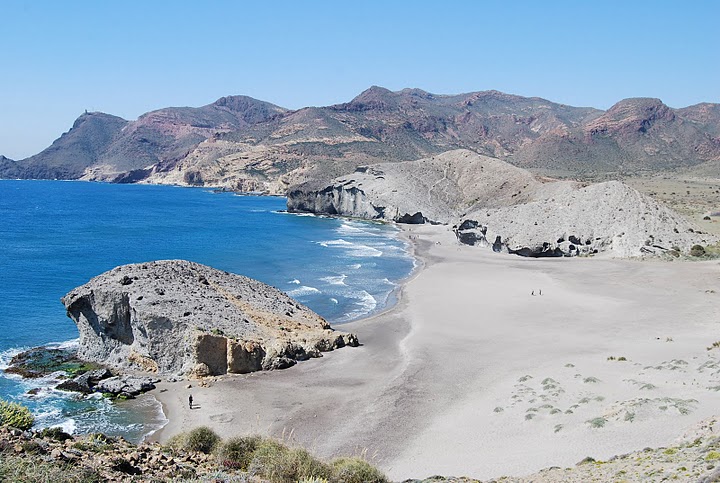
column 127, row 57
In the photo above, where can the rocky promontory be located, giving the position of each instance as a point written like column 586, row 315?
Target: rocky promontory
column 493, row 203
column 177, row 317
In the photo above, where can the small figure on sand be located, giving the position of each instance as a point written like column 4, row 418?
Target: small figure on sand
column 190, row 401
column 532, row 293
column 540, row 292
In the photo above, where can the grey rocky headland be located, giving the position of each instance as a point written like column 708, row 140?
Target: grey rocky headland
column 493, row 203
column 177, row 317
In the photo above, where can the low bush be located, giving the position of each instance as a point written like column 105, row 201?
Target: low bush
column 201, row 439
column 237, row 453
column 15, row 415
column 55, row 433
column 280, row 464
column 356, row 470
column 697, row 251
column 31, row 469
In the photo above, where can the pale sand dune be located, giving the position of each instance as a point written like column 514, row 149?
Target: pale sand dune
column 440, row 385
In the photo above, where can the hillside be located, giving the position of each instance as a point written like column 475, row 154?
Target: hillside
column 511, row 208
column 244, row 144
column 108, row 148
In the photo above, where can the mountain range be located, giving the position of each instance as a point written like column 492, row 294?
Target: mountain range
column 245, row 144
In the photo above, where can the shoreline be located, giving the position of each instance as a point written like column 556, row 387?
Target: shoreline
column 446, row 379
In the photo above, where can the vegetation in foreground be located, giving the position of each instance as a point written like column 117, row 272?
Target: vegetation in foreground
column 15, row 415
column 50, row 455
column 198, row 455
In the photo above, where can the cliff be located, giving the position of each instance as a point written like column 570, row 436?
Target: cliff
column 505, row 206
column 180, row 317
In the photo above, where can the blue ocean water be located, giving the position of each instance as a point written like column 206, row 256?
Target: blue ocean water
column 55, row 235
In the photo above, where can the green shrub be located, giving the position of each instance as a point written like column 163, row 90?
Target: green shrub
column 237, row 453
column 355, row 470
column 202, row 439
column 95, row 442
column 31, row 469
column 280, row 464
column 697, row 251
column 15, row 415
column 55, row 433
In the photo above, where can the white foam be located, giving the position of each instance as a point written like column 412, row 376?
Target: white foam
column 366, row 251
column 335, row 280
column 68, row 344
column 41, row 415
column 333, row 300
column 355, row 250
column 69, row 426
column 283, row 212
column 295, row 281
column 303, row 290
column 7, row 355
column 336, row 243
column 355, row 266
column 366, row 303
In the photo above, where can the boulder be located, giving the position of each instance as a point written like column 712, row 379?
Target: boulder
column 84, row 382
column 126, row 385
column 176, row 317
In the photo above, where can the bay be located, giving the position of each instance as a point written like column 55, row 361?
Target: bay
column 56, row 235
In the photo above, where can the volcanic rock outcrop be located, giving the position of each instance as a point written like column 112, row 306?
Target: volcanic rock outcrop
column 180, row 317
column 517, row 211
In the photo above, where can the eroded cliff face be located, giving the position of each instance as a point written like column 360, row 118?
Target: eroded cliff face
column 179, row 317
column 338, row 199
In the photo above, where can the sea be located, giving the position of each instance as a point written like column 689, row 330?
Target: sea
column 56, row 235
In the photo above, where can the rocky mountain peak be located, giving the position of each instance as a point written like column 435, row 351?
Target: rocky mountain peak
column 374, row 98
column 96, row 116
column 243, row 103
column 415, row 92
column 631, row 116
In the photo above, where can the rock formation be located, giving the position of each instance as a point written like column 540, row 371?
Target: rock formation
column 492, row 200
column 180, row 317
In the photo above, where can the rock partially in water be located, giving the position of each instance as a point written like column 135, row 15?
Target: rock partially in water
column 126, row 385
column 85, row 383
column 43, row 361
column 177, row 317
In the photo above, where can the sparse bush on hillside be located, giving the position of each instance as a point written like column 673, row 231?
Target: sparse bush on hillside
column 240, row 459
column 15, row 415
column 202, row 439
column 278, row 463
column 54, row 433
column 31, row 469
column 237, row 453
column 697, row 251
column 355, row 470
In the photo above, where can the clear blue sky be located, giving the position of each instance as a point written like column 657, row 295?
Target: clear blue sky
column 127, row 57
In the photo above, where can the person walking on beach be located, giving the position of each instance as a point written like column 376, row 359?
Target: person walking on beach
column 190, row 400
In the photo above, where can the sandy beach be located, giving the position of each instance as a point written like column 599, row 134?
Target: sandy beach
column 475, row 373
